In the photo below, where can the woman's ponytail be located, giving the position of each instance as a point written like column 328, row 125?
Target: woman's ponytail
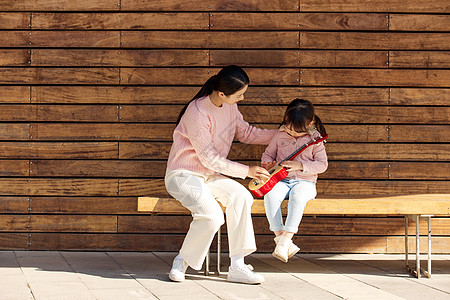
column 228, row 81
column 206, row 89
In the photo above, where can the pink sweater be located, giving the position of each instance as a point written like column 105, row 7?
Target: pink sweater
column 313, row 158
column 203, row 138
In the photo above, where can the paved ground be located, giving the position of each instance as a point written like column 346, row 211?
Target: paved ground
column 133, row 275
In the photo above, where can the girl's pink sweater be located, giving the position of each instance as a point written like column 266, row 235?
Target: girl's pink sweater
column 313, row 158
column 203, row 138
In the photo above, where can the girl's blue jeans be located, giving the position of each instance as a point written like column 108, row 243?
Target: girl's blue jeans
column 299, row 192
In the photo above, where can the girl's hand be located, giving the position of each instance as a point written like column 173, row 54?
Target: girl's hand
column 258, row 173
column 293, row 165
column 268, row 165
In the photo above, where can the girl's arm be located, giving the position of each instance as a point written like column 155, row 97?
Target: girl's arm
column 270, row 154
column 319, row 164
column 248, row 134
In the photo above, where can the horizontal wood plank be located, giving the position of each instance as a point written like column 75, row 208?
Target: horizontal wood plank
column 298, row 21
column 197, row 76
column 415, row 22
column 341, row 188
column 320, row 225
column 14, row 20
column 15, row 94
column 374, row 40
column 328, row 114
column 52, row 150
column 414, row 133
column 12, row 168
column 418, row 96
column 200, row 5
column 14, row 205
column 335, row 151
column 118, row 21
column 60, row 5
column 14, row 132
column 72, row 223
column 254, row 95
column 74, row 39
column 118, row 58
column 59, row 76
column 13, row 58
column 375, row 77
column 358, row 151
column 209, row 39
column 410, row 6
column 419, row 170
column 82, row 205
column 173, row 242
column 419, row 59
column 14, row 241
column 296, row 58
column 101, row 132
column 127, row 168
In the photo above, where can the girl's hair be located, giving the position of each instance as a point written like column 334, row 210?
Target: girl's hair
column 229, row 80
column 299, row 114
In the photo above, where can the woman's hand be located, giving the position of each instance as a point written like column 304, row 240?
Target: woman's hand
column 268, row 165
column 258, row 172
column 293, row 165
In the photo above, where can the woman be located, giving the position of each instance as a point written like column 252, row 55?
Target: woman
column 198, row 169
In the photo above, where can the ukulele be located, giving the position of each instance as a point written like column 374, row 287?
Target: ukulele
column 277, row 173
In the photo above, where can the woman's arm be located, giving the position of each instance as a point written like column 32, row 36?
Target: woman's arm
column 248, row 134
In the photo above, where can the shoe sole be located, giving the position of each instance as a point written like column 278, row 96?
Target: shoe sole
column 283, row 259
column 175, row 280
column 293, row 253
column 245, row 282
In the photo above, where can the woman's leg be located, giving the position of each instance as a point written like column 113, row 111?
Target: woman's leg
column 241, row 238
column 207, row 214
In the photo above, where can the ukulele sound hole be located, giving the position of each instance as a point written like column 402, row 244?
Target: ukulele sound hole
column 256, row 182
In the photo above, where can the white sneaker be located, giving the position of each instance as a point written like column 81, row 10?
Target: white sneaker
column 179, row 267
column 244, row 274
column 293, row 249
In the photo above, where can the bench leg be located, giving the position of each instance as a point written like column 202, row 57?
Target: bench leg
column 418, row 270
column 218, row 250
column 218, row 256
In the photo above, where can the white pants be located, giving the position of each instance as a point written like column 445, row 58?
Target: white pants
column 200, row 194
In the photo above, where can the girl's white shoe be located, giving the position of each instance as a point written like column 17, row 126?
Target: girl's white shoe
column 285, row 248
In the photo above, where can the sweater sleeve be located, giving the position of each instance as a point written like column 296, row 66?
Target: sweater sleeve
column 248, row 134
column 199, row 133
column 271, row 151
column 319, row 164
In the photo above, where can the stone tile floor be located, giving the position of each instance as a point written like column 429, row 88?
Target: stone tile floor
column 143, row 275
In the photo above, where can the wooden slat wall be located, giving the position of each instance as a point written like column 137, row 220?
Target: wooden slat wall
column 90, row 91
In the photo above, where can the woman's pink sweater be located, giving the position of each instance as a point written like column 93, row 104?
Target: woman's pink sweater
column 203, row 138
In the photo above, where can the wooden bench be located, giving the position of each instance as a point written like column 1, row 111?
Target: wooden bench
column 412, row 207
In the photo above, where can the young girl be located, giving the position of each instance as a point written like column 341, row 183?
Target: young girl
column 195, row 173
column 299, row 125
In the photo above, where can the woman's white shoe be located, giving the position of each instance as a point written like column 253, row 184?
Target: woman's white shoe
column 179, row 267
column 244, row 274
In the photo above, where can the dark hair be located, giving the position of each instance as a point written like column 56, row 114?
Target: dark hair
column 229, row 80
column 299, row 114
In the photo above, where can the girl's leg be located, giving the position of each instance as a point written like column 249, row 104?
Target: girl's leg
column 272, row 205
column 194, row 194
column 299, row 195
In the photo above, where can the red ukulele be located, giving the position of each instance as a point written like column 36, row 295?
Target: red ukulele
column 278, row 172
